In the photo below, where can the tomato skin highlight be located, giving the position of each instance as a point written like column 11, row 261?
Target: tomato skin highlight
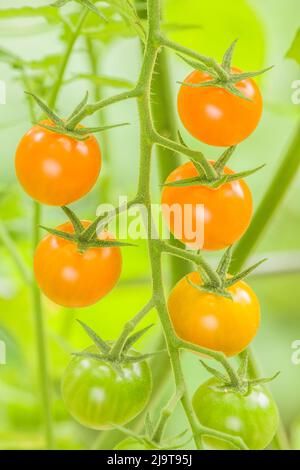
column 98, row 397
column 253, row 416
column 227, row 210
column 212, row 321
column 214, row 115
column 73, row 279
column 55, row 169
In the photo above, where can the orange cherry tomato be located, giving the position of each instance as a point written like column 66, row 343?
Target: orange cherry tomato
column 226, row 212
column 55, row 169
column 214, row 115
column 212, row 321
column 75, row 279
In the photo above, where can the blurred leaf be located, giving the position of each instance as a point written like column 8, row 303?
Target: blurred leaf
column 10, row 203
column 111, row 31
column 49, row 13
column 103, row 80
column 221, row 23
column 129, row 14
column 13, row 350
column 295, row 435
column 294, row 50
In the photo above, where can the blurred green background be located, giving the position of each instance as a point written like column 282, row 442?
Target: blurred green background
column 265, row 31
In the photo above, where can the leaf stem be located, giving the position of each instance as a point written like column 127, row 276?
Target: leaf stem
column 65, row 60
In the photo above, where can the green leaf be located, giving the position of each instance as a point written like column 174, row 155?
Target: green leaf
column 135, row 337
column 99, row 342
column 216, row 373
column 142, row 357
column 195, row 181
column 129, row 14
column 294, row 50
column 79, row 107
column 243, row 368
column 223, row 266
column 197, row 66
column 59, row 233
column 97, row 357
column 44, row 107
column 107, row 243
column 210, row 289
column 263, row 380
column 90, row 6
column 103, row 80
column 50, row 14
column 238, row 77
column 227, row 58
column 93, row 130
column 10, row 58
column 78, row 227
column 171, row 27
column 243, row 274
column 236, row 92
column 60, row 3
column 223, row 159
column 242, row 174
column 180, row 138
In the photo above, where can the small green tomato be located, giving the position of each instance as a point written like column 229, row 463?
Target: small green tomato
column 253, row 416
column 98, row 396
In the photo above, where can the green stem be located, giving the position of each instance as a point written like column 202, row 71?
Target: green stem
column 61, row 72
column 209, row 61
column 165, row 415
column 154, row 246
column 127, row 329
column 14, row 253
column 43, row 369
column 163, row 114
column 93, row 59
column 193, row 257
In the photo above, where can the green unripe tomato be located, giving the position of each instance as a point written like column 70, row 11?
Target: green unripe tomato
column 252, row 417
column 130, row 443
column 98, row 396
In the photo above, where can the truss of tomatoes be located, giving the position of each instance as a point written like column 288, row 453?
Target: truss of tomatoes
column 56, row 169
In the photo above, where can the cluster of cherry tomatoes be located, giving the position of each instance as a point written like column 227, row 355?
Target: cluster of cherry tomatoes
column 57, row 170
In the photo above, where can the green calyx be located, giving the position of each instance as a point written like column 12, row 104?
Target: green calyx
column 84, row 237
column 117, row 352
column 220, row 178
column 240, row 383
column 219, row 284
column 61, row 126
column 221, row 74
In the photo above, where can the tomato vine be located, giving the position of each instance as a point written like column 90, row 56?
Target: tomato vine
column 149, row 138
